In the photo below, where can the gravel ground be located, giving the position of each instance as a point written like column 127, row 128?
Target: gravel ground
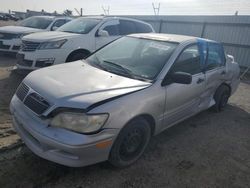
column 208, row 150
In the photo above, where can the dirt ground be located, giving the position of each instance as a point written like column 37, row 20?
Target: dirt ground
column 5, row 23
column 208, row 150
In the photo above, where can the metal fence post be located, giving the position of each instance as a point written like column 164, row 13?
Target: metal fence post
column 203, row 29
column 160, row 25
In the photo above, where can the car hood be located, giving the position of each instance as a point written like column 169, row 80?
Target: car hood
column 18, row 29
column 79, row 85
column 49, row 35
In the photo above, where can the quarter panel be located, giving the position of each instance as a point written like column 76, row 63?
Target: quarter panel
column 83, row 41
column 214, row 79
column 149, row 101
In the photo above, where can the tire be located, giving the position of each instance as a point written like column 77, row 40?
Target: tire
column 77, row 56
column 221, row 97
column 130, row 143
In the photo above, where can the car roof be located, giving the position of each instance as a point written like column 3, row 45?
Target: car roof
column 51, row 17
column 113, row 17
column 95, row 17
column 63, row 17
column 164, row 37
column 123, row 18
column 167, row 37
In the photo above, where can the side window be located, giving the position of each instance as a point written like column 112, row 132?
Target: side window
column 142, row 28
column 66, row 21
column 113, row 30
column 127, row 27
column 188, row 61
column 59, row 23
column 216, row 57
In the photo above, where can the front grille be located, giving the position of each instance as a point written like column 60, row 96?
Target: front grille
column 29, row 46
column 8, row 36
column 25, row 62
column 36, row 103
column 15, row 47
column 33, row 101
column 22, row 91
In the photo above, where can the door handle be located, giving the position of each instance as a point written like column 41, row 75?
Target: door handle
column 200, row 80
column 223, row 73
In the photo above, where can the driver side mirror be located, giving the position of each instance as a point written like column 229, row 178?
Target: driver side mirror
column 103, row 33
column 54, row 28
column 177, row 77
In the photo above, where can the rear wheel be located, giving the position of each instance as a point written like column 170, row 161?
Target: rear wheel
column 131, row 143
column 221, row 98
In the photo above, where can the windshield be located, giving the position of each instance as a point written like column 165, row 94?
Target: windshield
column 80, row 25
column 136, row 58
column 36, row 22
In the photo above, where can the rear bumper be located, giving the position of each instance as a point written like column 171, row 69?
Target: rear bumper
column 59, row 145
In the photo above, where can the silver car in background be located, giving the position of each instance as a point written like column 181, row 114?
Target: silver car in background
column 108, row 106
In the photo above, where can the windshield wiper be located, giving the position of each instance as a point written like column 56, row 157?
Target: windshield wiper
column 125, row 70
column 97, row 65
column 69, row 31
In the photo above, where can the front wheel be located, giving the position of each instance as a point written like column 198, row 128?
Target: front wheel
column 131, row 143
column 77, row 56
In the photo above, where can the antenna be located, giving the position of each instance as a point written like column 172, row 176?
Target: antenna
column 106, row 10
column 156, row 9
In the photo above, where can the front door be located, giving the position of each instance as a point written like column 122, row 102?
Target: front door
column 184, row 100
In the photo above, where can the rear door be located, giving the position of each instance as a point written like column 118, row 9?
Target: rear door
column 184, row 100
column 215, row 68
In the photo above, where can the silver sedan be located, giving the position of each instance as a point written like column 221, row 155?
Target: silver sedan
column 108, row 106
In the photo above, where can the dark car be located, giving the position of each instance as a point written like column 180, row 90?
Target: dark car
column 11, row 17
column 3, row 17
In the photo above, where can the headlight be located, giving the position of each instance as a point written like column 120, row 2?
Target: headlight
column 79, row 122
column 52, row 45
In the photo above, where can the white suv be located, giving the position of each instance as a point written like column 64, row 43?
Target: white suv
column 75, row 40
column 10, row 36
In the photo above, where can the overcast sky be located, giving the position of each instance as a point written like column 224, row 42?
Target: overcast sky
column 134, row 7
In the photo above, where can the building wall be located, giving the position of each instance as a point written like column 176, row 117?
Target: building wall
column 232, row 31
